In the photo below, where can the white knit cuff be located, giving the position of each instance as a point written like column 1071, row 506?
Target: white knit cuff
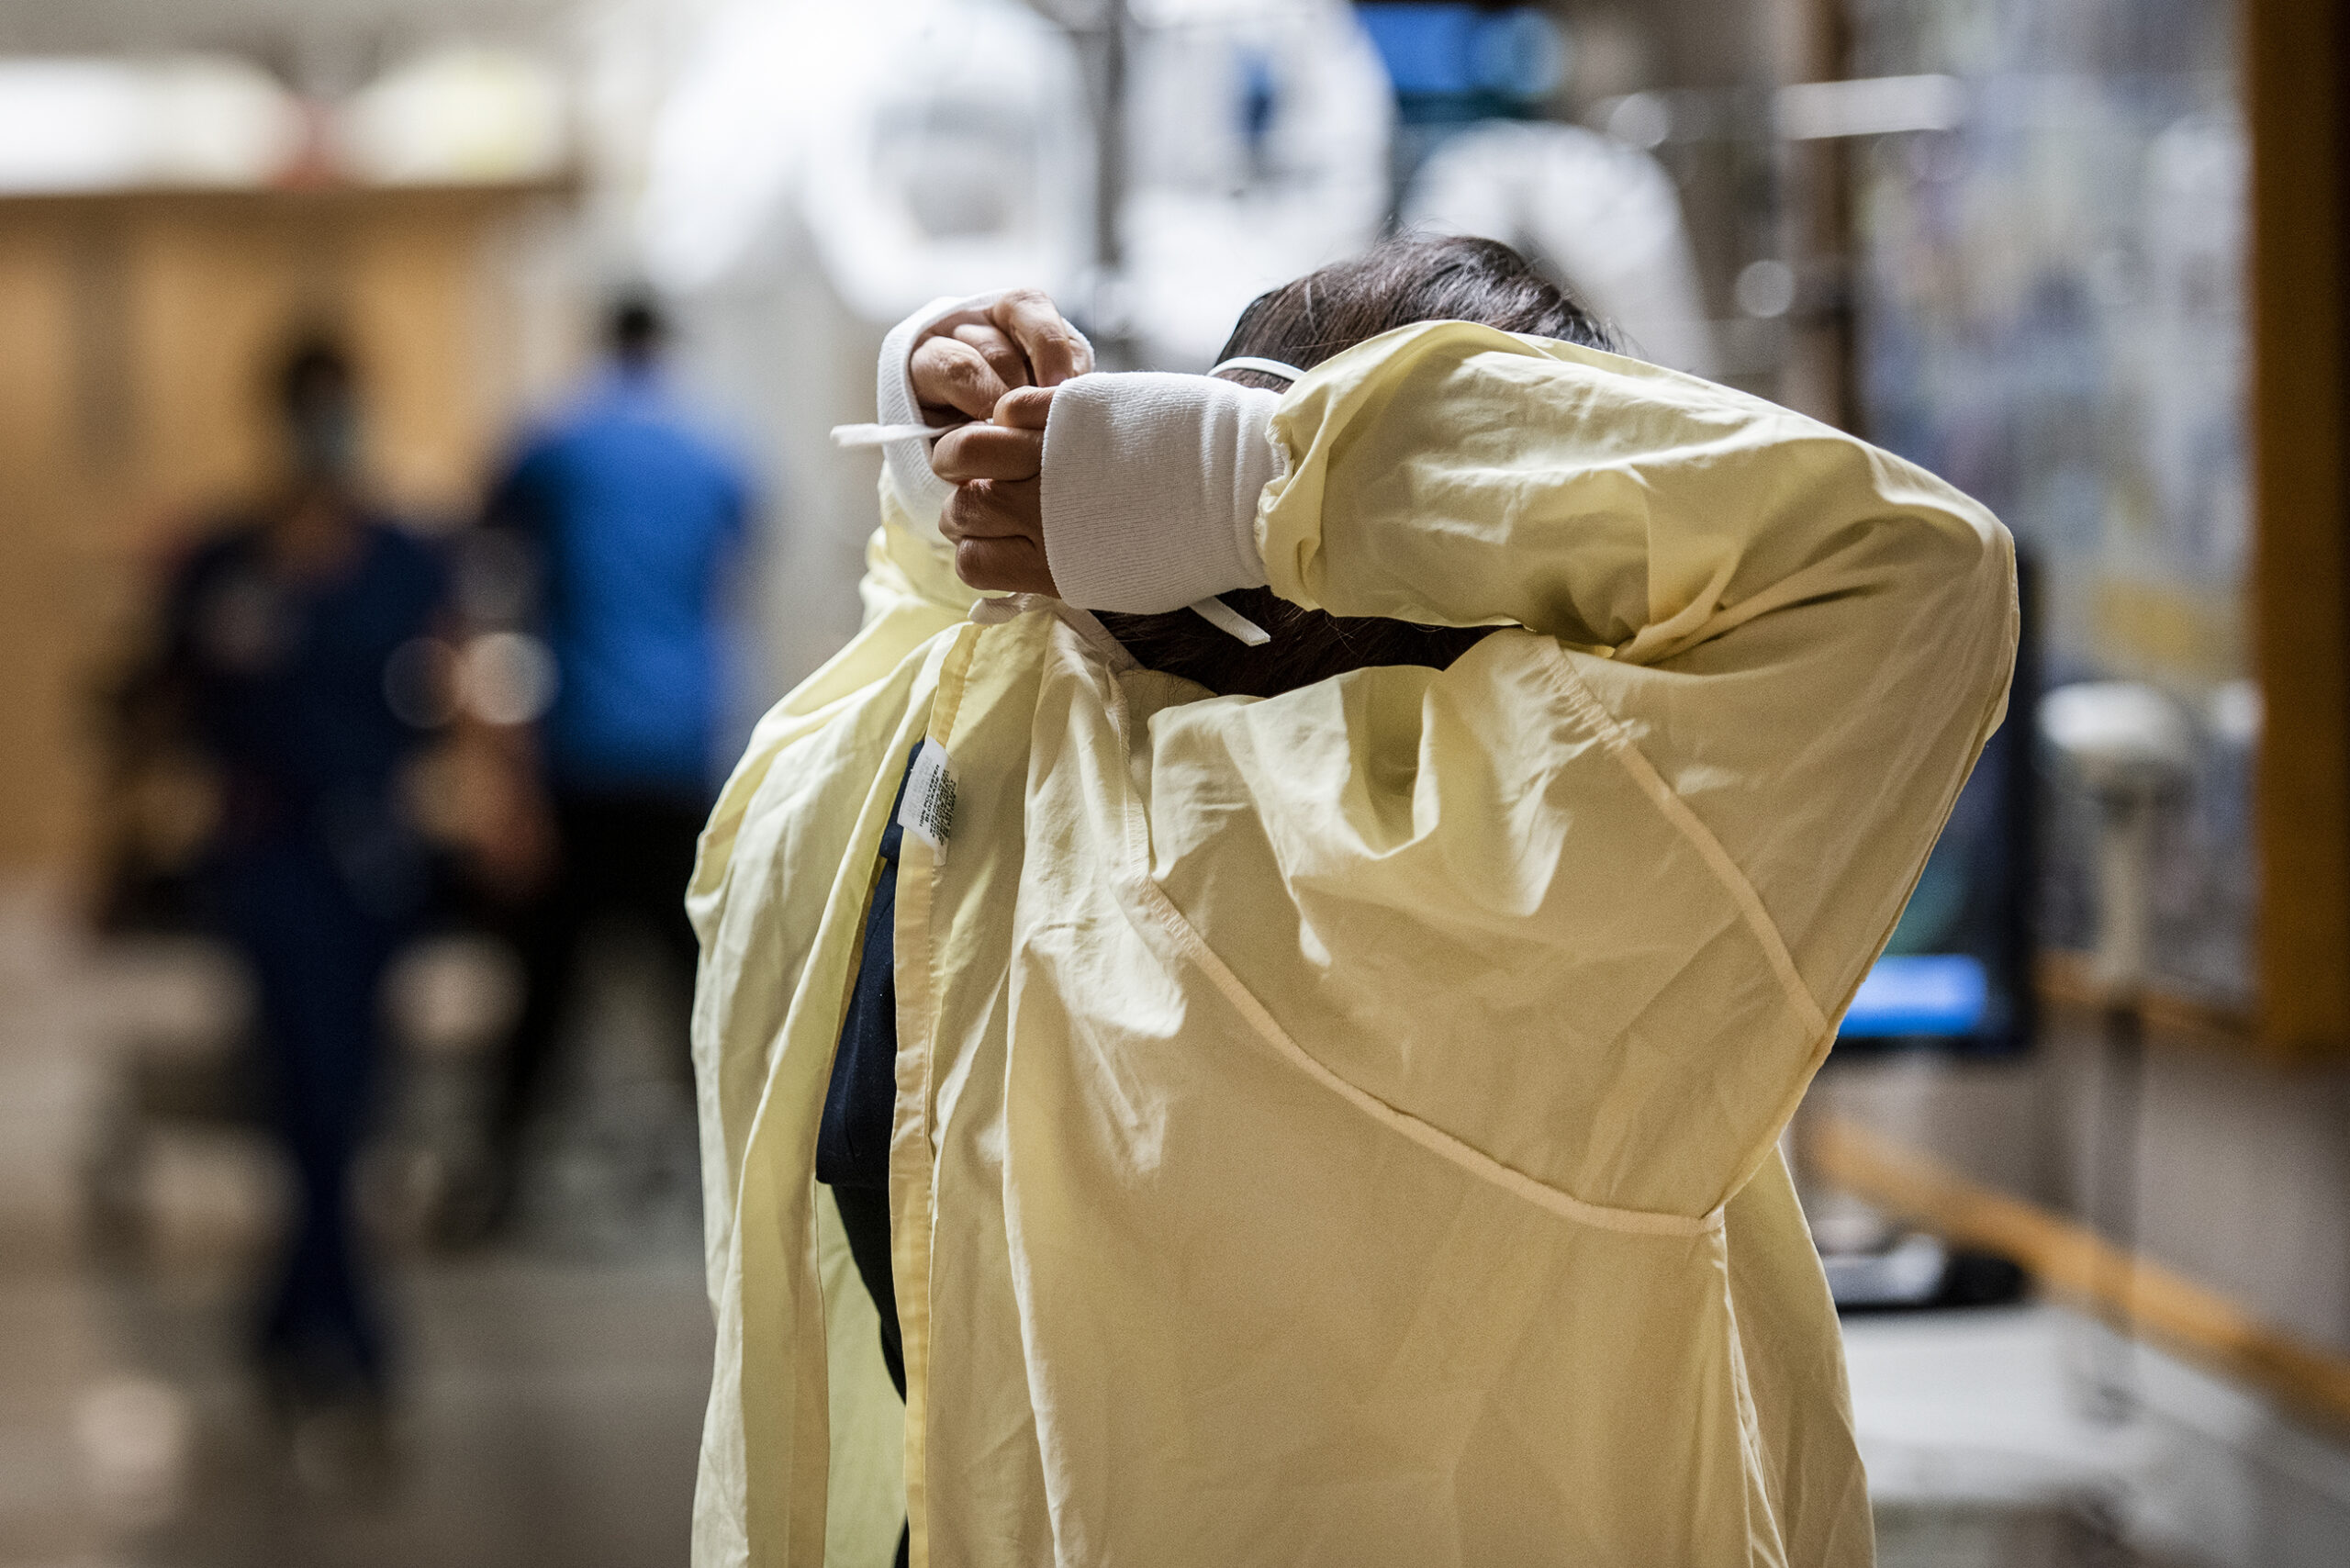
column 1150, row 488
column 923, row 492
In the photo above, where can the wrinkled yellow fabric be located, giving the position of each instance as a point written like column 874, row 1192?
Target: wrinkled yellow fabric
column 1339, row 1129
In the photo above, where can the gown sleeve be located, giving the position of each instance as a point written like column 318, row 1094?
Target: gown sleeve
column 1590, row 900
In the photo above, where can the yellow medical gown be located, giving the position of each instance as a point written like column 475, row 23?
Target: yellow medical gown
column 1340, row 1128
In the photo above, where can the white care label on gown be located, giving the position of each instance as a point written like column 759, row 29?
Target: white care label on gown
column 928, row 811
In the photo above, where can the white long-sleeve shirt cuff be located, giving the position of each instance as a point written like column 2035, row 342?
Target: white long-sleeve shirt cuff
column 922, row 493
column 1150, row 488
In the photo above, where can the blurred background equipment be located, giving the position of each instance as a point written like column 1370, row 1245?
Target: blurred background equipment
column 2083, row 257
column 945, row 148
column 1255, row 150
column 1455, row 65
column 1601, row 215
column 2131, row 748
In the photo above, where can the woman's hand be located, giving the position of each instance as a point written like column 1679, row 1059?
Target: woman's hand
column 966, row 363
column 995, row 517
column 999, row 364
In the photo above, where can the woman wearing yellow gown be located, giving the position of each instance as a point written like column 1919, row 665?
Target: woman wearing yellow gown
column 1329, row 1091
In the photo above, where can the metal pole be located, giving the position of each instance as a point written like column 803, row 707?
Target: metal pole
column 2127, row 851
column 2121, row 1096
column 1107, row 310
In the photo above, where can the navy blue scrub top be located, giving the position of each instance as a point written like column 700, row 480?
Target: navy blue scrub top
column 853, row 1139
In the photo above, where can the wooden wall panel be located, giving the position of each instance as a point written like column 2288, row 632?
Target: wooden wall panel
column 138, row 334
column 46, row 497
column 413, row 317
column 2293, row 66
column 218, row 293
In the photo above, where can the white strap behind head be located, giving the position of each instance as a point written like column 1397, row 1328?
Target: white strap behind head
column 1215, row 612
column 1266, row 366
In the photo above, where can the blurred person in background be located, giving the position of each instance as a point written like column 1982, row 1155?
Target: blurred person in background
column 630, row 511
column 280, row 640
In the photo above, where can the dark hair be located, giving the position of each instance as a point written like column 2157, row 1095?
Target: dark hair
column 1395, row 284
column 636, row 329
column 315, row 370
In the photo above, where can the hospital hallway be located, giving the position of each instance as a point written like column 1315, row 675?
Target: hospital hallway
column 456, row 492
column 550, row 1386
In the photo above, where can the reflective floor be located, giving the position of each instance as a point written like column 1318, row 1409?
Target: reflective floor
column 2034, row 1437
column 549, row 1415
column 551, row 1383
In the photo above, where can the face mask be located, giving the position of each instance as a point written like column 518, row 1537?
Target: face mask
column 324, row 437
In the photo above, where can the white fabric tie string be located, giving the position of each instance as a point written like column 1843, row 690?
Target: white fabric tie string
column 1215, row 612
column 1266, row 366
column 881, row 435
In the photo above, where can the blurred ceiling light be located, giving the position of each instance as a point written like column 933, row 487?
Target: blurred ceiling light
column 218, row 120
column 71, row 125
column 80, row 124
column 458, row 116
column 1870, row 106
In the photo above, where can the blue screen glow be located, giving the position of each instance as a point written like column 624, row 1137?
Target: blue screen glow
column 1428, row 48
column 1922, row 993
